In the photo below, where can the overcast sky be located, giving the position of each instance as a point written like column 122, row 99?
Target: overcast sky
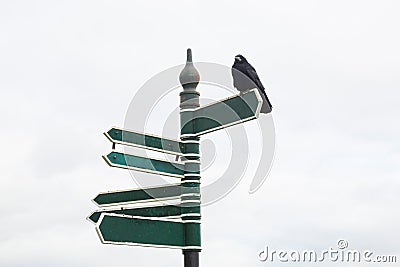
column 68, row 72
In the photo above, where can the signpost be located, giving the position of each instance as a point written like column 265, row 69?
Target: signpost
column 171, row 226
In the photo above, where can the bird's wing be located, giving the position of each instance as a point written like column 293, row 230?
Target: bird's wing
column 235, row 75
column 251, row 72
column 233, row 71
column 254, row 76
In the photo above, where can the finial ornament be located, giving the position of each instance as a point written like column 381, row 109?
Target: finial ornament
column 189, row 76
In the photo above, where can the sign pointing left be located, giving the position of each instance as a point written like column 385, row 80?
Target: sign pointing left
column 156, row 211
column 156, row 166
column 147, row 141
column 140, row 231
column 138, row 195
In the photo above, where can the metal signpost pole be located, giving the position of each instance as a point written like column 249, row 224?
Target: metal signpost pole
column 154, row 226
column 190, row 197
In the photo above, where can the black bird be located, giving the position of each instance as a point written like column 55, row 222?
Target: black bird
column 245, row 78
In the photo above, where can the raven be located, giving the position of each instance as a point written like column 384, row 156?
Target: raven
column 245, row 78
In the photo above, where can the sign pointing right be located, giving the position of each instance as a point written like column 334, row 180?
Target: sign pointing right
column 221, row 114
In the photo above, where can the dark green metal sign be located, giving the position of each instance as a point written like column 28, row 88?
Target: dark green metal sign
column 157, row 211
column 147, row 141
column 138, row 195
column 140, row 231
column 221, row 114
column 120, row 160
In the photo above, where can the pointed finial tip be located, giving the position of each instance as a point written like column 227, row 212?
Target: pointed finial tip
column 189, row 76
column 189, row 55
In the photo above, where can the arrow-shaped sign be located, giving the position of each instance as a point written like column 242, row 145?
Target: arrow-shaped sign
column 156, row 211
column 221, row 114
column 156, row 166
column 141, row 140
column 138, row 195
column 134, row 230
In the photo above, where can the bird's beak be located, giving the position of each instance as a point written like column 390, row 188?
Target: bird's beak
column 238, row 58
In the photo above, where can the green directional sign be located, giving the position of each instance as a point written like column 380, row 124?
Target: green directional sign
column 138, row 195
column 141, row 140
column 221, row 114
column 120, row 229
column 156, row 166
column 157, row 211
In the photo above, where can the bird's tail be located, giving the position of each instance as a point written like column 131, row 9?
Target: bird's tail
column 266, row 106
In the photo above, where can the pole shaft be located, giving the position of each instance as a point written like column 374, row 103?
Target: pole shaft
column 190, row 203
column 191, row 258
